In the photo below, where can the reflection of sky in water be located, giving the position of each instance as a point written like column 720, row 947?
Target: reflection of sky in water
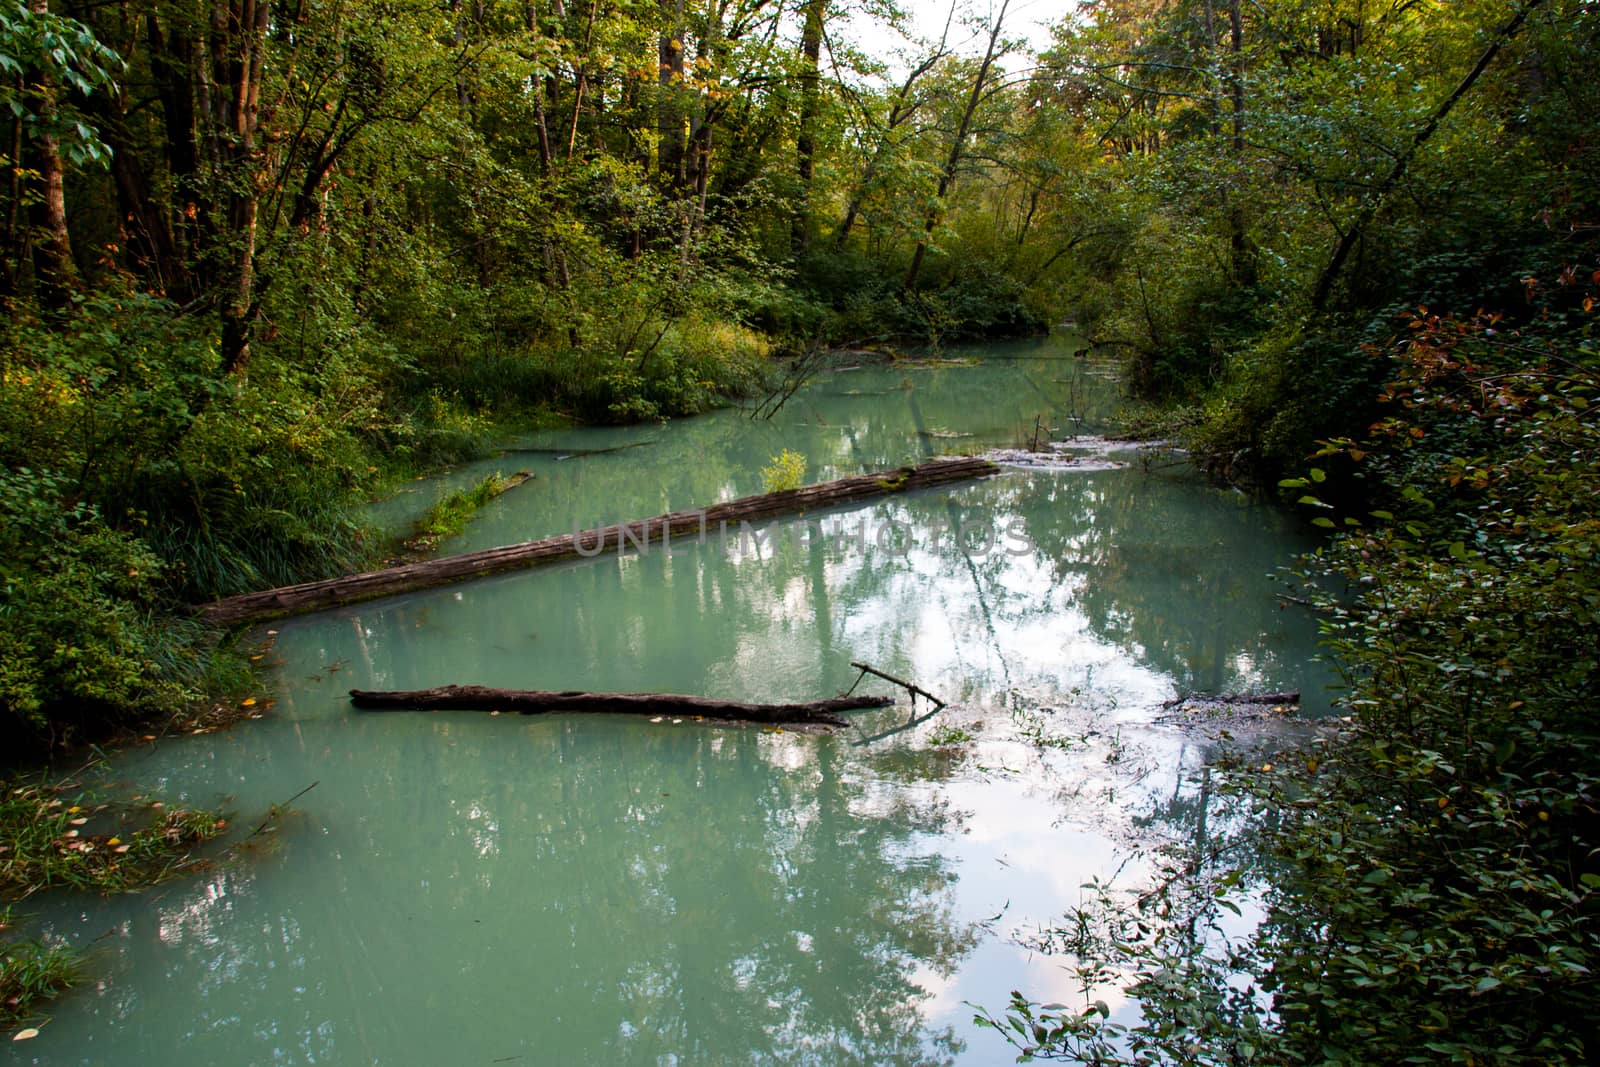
column 469, row 889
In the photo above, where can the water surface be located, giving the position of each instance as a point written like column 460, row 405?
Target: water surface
column 466, row 889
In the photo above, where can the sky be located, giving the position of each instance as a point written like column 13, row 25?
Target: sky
column 1029, row 19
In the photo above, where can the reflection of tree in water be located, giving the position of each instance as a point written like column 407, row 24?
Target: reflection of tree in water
column 589, row 891
column 1173, row 573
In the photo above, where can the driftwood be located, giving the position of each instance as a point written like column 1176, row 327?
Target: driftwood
column 1292, row 697
column 537, row 702
column 718, row 519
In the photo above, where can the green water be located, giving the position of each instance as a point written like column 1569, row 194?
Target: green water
column 468, row 889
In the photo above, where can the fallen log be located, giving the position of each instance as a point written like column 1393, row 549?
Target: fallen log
column 539, row 702
column 659, row 531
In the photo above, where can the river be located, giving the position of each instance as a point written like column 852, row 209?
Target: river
column 475, row 889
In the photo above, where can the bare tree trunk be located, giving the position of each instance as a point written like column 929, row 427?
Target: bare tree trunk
column 810, row 106
column 583, row 79
column 249, row 20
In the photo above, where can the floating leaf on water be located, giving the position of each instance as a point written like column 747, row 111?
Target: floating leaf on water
column 656, row 719
column 25, row 1035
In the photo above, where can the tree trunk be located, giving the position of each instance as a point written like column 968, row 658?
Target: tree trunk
column 246, row 22
column 52, row 255
column 810, row 107
column 958, row 148
column 540, row 702
column 656, row 534
column 669, row 110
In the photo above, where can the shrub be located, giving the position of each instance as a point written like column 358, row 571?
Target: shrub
column 786, row 471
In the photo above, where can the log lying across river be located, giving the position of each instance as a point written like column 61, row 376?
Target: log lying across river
column 718, row 519
column 536, row 702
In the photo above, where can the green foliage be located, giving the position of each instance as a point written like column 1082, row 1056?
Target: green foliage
column 66, row 53
column 55, row 837
column 1431, row 890
column 786, row 471
column 948, row 734
column 58, row 839
column 31, row 973
column 83, row 627
column 450, row 515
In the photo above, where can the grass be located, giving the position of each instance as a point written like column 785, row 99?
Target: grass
column 59, row 837
column 450, row 515
column 30, row 973
column 52, row 839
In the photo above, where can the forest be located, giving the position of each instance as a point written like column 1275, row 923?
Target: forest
column 262, row 260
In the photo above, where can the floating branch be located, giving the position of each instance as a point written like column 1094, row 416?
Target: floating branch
column 538, row 702
column 915, row 691
column 718, row 518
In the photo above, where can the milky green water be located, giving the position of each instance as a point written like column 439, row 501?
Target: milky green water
column 468, row 889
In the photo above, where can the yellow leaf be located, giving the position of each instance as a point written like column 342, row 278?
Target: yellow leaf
column 114, row 841
column 248, row 702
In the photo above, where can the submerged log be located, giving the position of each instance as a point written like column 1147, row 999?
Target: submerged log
column 659, row 531
column 538, row 702
column 1291, row 697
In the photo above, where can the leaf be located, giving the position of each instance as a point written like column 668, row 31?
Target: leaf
column 1323, row 520
column 1485, row 984
column 25, row 1035
column 1376, row 877
column 1318, row 474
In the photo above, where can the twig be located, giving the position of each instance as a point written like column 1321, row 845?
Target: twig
column 914, row 690
column 278, row 809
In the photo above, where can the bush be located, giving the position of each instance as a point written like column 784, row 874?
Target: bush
column 1431, row 879
column 84, row 630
